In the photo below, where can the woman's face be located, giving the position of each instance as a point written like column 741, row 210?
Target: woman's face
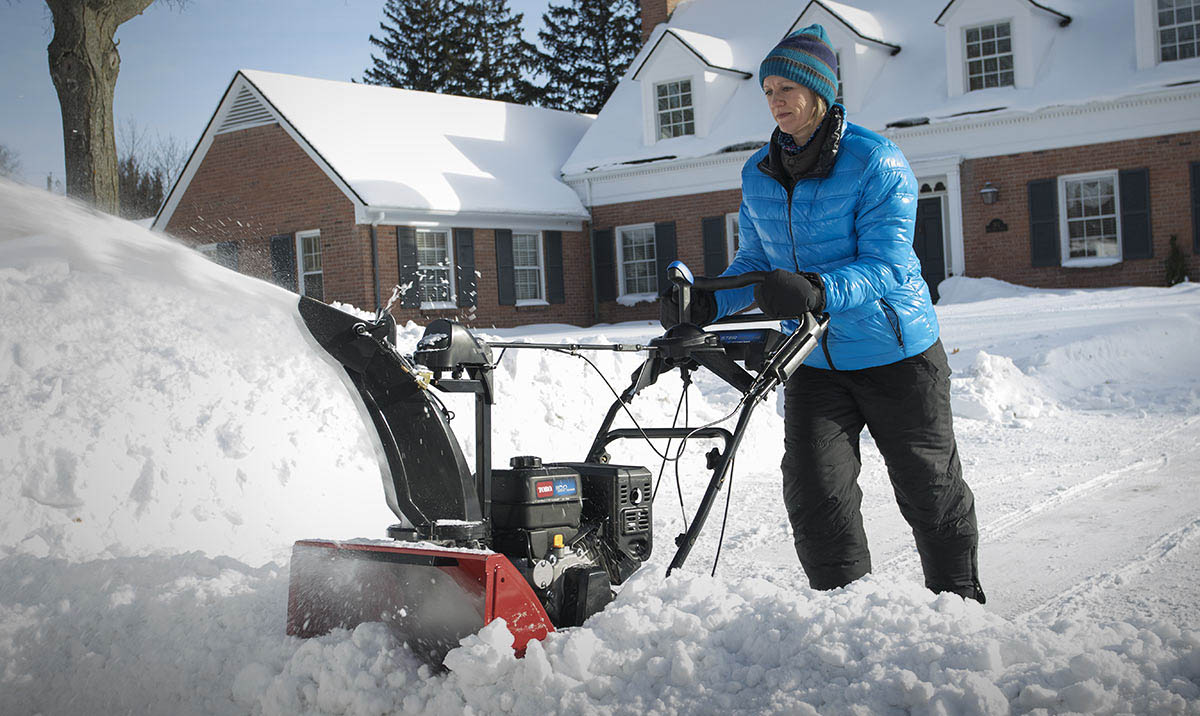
column 793, row 106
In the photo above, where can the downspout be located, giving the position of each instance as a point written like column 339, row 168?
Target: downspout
column 587, row 182
column 375, row 261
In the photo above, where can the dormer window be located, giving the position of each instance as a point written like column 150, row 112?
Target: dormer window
column 676, row 116
column 1178, row 29
column 989, row 56
column 997, row 43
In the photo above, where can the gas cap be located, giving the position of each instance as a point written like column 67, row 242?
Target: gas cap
column 525, row 462
column 543, row 574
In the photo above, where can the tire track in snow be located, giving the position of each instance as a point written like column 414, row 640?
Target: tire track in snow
column 1163, row 549
column 1077, row 491
column 1009, row 524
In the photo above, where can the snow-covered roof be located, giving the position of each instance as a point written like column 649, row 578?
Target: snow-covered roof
column 1093, row 59
column 395, row 149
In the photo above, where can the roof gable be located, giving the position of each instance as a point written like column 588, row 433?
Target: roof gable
column 861, row 23
column 713, row 52
column 1063, row 19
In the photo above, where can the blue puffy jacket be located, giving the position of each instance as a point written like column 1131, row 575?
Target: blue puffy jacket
column 850, row 220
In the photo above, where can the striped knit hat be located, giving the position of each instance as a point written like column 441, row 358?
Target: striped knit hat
column 805, row 57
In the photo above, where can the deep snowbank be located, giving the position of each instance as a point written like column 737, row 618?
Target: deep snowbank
column 156, row 402
column 169, row 431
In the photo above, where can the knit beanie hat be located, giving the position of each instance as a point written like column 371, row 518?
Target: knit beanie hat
column 806, row 58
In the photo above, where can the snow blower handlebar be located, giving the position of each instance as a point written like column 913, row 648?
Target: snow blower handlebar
column 774, row 356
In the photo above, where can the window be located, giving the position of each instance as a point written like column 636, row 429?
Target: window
column 434, row 269
column 731, row 235
column 675, row 113
column 528, row 276
column 636, row 258
column 1178, row 29
column 1089, row 218
column 312, row 279
column 223, row 254
column 989, row 56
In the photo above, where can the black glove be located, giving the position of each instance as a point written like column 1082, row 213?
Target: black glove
column 704, row 307
column 784, row 294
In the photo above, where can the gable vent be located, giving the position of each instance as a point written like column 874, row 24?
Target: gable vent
column 247, row 111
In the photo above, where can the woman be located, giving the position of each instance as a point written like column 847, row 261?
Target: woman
column 828, row 209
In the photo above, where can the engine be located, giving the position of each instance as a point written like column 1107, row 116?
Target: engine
column 572, row 529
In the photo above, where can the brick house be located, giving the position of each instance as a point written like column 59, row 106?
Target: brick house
column 1056, row 144
column 349, row 192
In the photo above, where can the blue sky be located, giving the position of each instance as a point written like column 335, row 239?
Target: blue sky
column 175, row 64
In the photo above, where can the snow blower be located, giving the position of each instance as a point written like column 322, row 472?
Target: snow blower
column 540, row 544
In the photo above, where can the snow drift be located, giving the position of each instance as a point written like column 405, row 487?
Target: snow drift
column 168, row 432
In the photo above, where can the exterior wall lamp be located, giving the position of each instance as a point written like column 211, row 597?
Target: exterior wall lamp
column 989, row 193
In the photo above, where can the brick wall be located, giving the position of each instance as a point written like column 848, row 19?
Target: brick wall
column 687, row 213
column 577, row 284
column 258, row 182
column 654, row 12
column 1006, row 255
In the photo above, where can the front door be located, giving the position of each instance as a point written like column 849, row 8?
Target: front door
column 927, row 241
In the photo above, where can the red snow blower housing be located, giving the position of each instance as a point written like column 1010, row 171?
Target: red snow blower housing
column 539, row 544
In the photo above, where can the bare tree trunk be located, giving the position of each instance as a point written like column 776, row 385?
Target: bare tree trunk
column 84, row 64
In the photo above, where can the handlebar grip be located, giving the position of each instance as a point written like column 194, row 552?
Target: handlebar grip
column 720, row 283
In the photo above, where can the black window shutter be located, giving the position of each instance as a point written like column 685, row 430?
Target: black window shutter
column 664, row 250
column 505, row 285
column 227, row 254
column 464, row 257
column 604, row 264
column 1195, row 171
column 712, row 230
column 1136, row 240
column 1044, row 247
column 406, row 253
column 283, row 260
column 555, row 291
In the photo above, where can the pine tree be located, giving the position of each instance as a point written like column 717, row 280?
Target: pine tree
column 500, row 59
column 589, row 44
column 140, row 190
column 418, row 44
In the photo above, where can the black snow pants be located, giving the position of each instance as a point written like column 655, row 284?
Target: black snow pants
column 906, row 406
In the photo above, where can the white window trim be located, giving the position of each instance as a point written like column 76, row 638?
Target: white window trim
column 694, row 107
column 541, row 254
column 1012, row 50
column 1145, row 29
column 622, row 294
column 300, row 237
column 1064, row 237
column 441, row 305
column 731, row 221
column 1152, row 42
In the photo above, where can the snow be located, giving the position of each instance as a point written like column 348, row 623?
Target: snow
column 1093, row 59
column 405, row 149
column 169, row 430
column 714, row 50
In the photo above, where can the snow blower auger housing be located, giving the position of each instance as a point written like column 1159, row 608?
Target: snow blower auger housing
column 539, row 544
